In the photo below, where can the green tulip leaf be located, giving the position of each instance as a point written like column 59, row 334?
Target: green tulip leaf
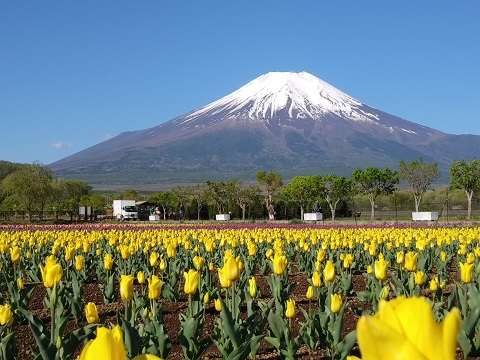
column 46, row 349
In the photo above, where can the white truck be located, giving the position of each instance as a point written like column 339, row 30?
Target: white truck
column 125, row 210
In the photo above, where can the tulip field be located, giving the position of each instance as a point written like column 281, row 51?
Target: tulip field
column 239, row 291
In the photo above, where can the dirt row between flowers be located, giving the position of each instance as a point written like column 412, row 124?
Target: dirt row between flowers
column 25, row 340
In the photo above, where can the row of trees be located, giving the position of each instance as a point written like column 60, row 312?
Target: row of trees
column 32, row 188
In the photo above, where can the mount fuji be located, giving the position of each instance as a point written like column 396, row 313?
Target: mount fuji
column 293, row 123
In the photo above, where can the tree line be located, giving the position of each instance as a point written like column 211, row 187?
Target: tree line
column 32, row 189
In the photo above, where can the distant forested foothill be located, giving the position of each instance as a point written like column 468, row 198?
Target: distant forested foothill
column 31, row 192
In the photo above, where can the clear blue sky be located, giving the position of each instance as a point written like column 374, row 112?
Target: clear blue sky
column 74, row 73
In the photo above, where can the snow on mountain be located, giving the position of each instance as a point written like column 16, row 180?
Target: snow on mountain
column 301, row 95
column 290, row 122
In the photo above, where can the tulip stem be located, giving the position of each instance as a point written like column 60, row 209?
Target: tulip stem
column 53, row 304
column 232, row 309
column 153, row 307
column 190, row 306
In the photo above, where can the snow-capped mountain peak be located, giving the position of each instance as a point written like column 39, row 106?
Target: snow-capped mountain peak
column 301, row 95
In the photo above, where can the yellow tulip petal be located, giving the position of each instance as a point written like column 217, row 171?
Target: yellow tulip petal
column 377, row 340
column 146, row 357
column 451, row 326
column 420, row 327
column 108, row 345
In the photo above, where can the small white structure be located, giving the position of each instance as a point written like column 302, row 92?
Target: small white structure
column 312, row 216
column 154, row 217
column 222, row 217
column 424, row 216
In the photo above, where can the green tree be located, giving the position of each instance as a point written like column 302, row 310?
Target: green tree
column 67, row 194
column 199, row 194
column 419, row 175
column 374, row 182
column 301, row 190
column 182, row 193
column 166, row 199
column 270, row 184
column 466, row 175
column 335, row 188
column 129, row 194
column 9, row 202
column 219, row 193
column 245, row 195
column 31, row 186
column 98, row 203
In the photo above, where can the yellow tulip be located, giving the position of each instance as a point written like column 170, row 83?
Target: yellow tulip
column 171, row 251
column 163, row 265
column 79, row 262
column 381, row 267
column 348, row 261
column 466, row 272
column 198, row 262
column 419, row 277
column 91, row 313
column 109, row 345
column 384, row 294
column 125, row 252
column 470, row 258
column 310, row 293
column 329, row 271
column 405, row 328
column 369, row 269
column 316, row 279
column 253, row 287
column 154, row 259
column 224, row 280
column 126, row 287
column 218, row 305
column 279, row 264
column 411, row 259
column 6, row 315
column 290, row 310
column 372, row 249
column 400, row 257
column 51, row 273
column 434, row 284
column 154, row 287
column 15, row 253
column 239, row 263
column 209, row 245
column 336, row 303
column 192, row 279
column 231, row 267
column 211, row 266
column 69, row 252
column 206, row 298
column 321, row 253
column 108, row 262
column 20, row 285
column 443, row 256
column 269, row 253
column 141, row 277
column 252, row 248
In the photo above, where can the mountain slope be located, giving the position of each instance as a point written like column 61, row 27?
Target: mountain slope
column 282, row 121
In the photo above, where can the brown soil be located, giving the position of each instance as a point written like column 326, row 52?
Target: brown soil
column 25, row 341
